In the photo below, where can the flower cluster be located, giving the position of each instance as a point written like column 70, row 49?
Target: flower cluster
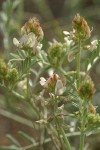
column 3, row 69
column 7, row 75
column 33, row 26
column 81, row 28
column 94, row 118
column 54, row 84
column 32, row 35
column 55, row 52
column 86, row 90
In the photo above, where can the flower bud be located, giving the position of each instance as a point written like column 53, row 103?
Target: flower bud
column 92, row 109
column 32, row 34
column 94, row 118
column 33, row 25
column 86, row 90
column 81, row 28
column 12, row 75
column 3, row 68
column 55, row 52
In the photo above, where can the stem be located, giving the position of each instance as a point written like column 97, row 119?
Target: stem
column 78, row 62
column 82, row 141
column 18, row 95
column 65, row 139
column 84, row 118
column 28, row 79
column 68, row 147
column 58, row 131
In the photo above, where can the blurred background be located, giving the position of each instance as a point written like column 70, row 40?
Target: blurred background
column 55, row 16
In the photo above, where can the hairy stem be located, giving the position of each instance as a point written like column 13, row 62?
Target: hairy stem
column 83, row 124
column 78, row 62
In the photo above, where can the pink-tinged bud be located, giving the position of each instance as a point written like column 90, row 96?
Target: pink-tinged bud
column 81, row 27
column 54, row 84
column 33, row 25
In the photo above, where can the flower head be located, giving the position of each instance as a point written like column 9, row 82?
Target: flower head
column 28, row 42
column 3, row 68
column 86, row 90
column 54, row 84
column 81, row 27
column 8, row 75
column 11, row 76
column 33, row 26
column 32, row 35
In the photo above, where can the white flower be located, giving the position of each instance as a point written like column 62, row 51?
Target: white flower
column 93, row 45
column 50, row 72
column 54, row 84
column 28, row 41
column 69, row 38
column 59, row 88
column 15, row 42
column 66, row 33
column 70, row 34
column 43, row 82
column 68, row 41
column 37, row 49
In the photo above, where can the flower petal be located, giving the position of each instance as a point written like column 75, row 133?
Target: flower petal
column 66, row 32
column 59, row 88
column 42, row 81
column 15, row 42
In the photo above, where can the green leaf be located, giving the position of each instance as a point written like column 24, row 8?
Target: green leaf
column 16, row 3
column 26, row 137
column 75, row 105
column 13, row 140
column 12, row 147
column 17, row 118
